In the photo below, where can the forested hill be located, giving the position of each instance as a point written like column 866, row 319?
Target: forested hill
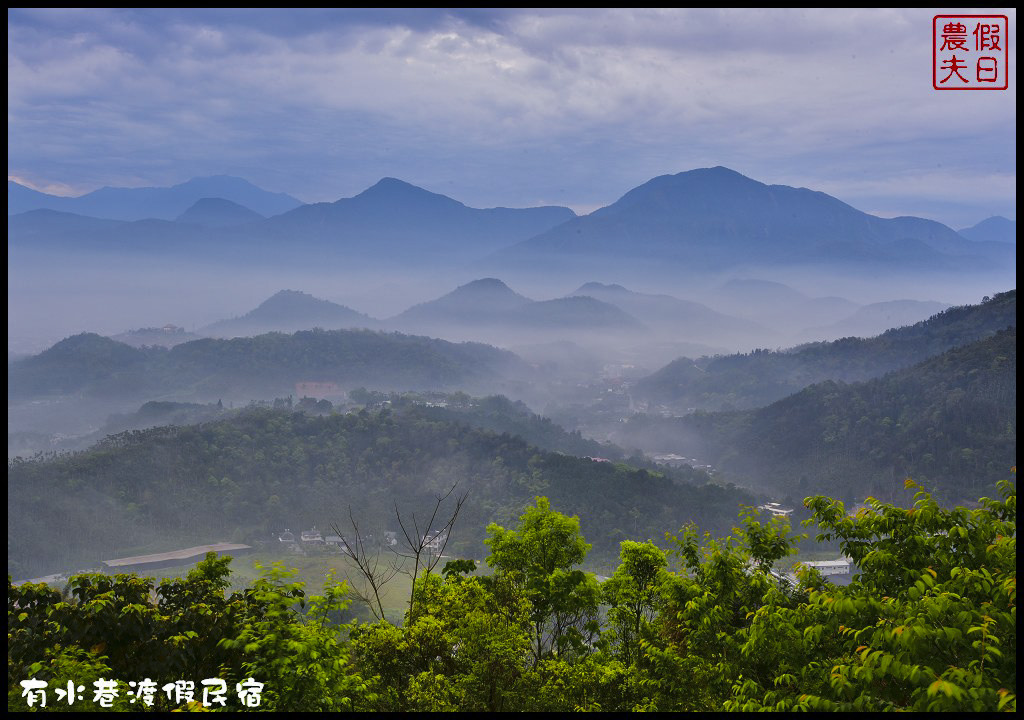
column 289, row 311
column 949, row 422
column 267, row 364
column 499, row 414
column 755, row 379
column 248, row 476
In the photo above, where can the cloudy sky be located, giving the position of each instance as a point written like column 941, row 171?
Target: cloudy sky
column 515, row 107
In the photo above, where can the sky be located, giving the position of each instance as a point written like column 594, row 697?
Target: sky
column 507, row 107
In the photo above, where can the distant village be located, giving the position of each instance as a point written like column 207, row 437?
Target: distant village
column 312, row 541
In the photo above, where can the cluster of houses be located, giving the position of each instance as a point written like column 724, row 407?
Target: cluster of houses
column 838, row 568
column 309, row 540
column 313, row 540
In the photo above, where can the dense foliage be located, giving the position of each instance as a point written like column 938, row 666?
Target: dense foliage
column 929, row 623
column 735, row 382
column 128, row 628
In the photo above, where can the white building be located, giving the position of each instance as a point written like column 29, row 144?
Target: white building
column 842, row 566
column 435, row 540
column 775, row 509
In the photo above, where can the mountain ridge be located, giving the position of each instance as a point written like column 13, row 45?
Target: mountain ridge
column 489, row 304
column 741, row 381
column 929, row 421
column 708, row 217
column 90, row 365
column 161, row 203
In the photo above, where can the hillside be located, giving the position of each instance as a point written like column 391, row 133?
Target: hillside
column 949, row 422
column 749, row 380
column 254, row 474
column 683, row 318
column 876, row 318
column 497, row 413
column 82, row 361
column 261, row 366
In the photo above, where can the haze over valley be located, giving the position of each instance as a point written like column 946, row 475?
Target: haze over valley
column 640, row 328
column 395, row 246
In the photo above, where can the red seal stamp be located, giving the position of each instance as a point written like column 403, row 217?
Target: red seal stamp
column 970, row 52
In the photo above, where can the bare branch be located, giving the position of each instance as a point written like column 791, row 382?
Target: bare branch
column 416, row 548
column 418, row 541
column 446, row 530
column 368, row 566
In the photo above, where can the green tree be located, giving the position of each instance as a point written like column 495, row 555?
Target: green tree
column 463, row 650
column 293, row 645
column 123, row 628
column 928, row 624
column 707, row 609
column 539, row 557
column 633, row 595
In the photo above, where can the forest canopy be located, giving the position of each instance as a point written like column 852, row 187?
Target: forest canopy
column 928, row 623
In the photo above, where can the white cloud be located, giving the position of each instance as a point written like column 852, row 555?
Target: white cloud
column 341, row 98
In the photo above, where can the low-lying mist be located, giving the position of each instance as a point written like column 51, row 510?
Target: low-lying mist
column 51, row 297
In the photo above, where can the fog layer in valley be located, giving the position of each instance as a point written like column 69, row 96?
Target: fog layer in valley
column 650, row 324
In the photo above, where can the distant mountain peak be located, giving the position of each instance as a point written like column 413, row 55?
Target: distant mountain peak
column 485, row 284
column 695, row 189
column 218, row 212
column 281, row 295
column 289, row 311
column 389, row 181
column 475, row 300
column 297, row 301
column 590, row 287
column 720, row 170
column 289, row 293
column 718, row 173
column 164, row 203
column 389, row 189
column 994, row 229
column 486, row 290
column 712, row 219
